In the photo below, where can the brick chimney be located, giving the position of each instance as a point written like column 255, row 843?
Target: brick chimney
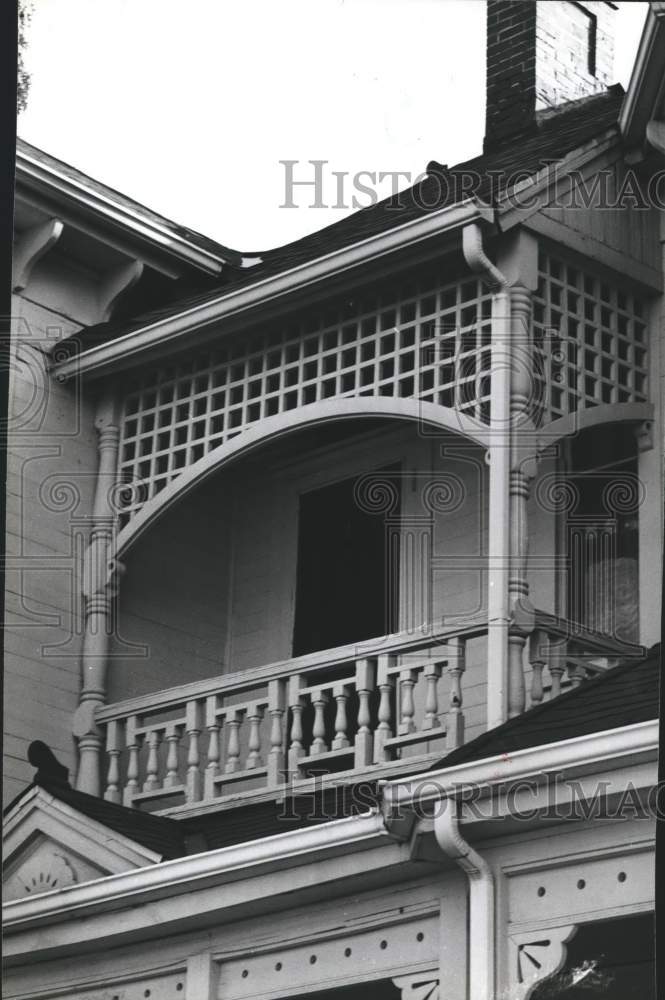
column 541, row 55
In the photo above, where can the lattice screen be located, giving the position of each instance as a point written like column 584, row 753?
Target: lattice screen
column 590, row 341
column 422, row 339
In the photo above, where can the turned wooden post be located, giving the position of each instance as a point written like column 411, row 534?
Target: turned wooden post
column 386, row 683
column 100, row 574
column 193, row 726
column 522, row 470
column 538, row 657
column 407, row 682
column 364, row 741
column 214, row 750
column 297, row 707
column 112, row 793
column 276, row 710
column 455, row 719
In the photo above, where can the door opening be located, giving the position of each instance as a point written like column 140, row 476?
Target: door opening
column 347, row 580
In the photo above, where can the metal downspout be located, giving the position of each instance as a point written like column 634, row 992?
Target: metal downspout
column 482, row 957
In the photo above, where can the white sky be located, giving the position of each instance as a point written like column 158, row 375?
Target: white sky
column 189, row 105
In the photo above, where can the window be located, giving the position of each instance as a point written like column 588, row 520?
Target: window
column 602, row 533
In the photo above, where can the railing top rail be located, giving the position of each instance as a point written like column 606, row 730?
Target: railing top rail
column 595, row 642
column 241, row 679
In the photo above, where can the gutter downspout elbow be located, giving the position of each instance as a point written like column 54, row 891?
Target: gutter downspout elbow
column 498, row 607
column 482, row 958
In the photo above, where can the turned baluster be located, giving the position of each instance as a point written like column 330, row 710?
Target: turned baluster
column 112, row 793
column 432, row 674
column 193, row 728
column 407, row 681
column 383, row 730
column 173, row 740
column 319, row 700
column 341, row 740
column 254, row 739
column 576, row 674
column 276, row 708
column 232, row 720
column 133, row 747
column 214, row 750
column 297, row 706
column 557, row 667
column 152, row 766
column 364, row 741
column 455, row 719
column 538, row 656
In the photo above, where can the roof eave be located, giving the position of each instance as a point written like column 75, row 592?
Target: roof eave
column 46, row 178
column 130, row 347
column 646, row 81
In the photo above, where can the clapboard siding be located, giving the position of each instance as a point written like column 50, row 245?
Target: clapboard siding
column 52, row 460
column 633, row 231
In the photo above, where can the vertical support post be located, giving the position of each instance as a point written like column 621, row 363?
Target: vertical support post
column 522, row 471
column 455, row 717
column 499, row 514
column 364, row 740
column 276, row 709
column 100, row 573
column 193, row 727
column 386, row 683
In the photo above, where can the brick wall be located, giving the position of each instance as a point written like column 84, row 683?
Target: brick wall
column 540, row 55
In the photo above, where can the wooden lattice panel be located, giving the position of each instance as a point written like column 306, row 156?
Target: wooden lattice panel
column 590, row 341
column 422, row 339
column 426, row 339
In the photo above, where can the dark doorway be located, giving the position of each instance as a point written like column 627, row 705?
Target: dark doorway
column 346, row 588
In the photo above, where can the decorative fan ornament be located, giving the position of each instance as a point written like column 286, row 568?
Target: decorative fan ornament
column 56, row 874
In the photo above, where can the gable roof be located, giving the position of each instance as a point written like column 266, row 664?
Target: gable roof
column 623, row 696
column 484, row 179
column 160, row 834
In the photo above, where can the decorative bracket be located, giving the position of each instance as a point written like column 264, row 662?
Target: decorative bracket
column 30, row 246
column 535, row 956
column 116, row 283
column 644, row 435
column 419, row 986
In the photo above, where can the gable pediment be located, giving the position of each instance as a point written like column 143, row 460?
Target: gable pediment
column 48, row 845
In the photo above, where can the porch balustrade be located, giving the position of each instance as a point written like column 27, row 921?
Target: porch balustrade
column 354, row 711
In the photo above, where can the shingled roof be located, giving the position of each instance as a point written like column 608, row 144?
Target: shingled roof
column 486, row 178
column 623, row 696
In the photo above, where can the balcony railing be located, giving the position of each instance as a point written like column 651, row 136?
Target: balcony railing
column 379, row 706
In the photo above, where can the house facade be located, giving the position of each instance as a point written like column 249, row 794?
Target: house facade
column 333, row 581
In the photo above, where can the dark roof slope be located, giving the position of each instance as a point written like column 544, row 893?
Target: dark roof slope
column 623, row 696
column 485, row 177
column 266, row 819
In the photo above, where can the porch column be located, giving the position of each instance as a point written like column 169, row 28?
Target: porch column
column 518, row 260
column 100, row 572
column 522, row 472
